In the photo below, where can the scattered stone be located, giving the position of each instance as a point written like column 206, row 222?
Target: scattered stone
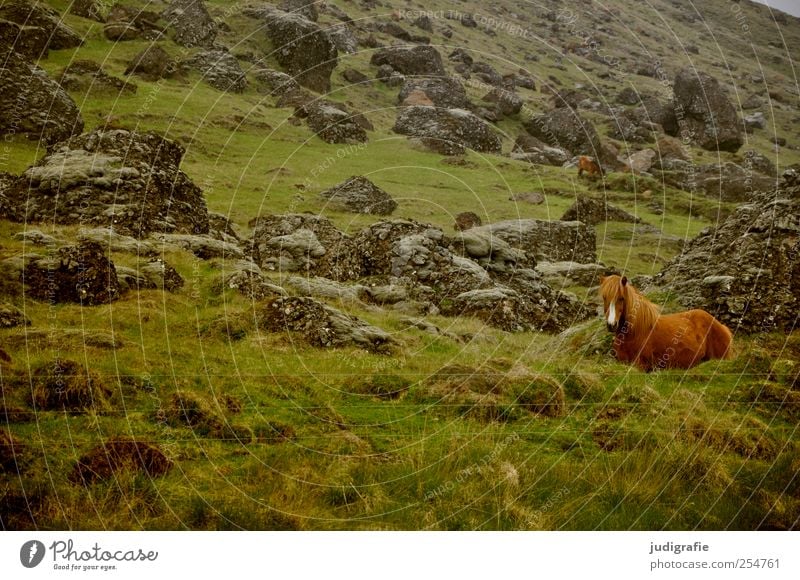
column 418, row 60
column 755, row 121
column 220, row 69
column 246, row 278
column 191, row 23
column 447, row 131
column 116, row 242
column 355, row 77
column 37, row 15
column 162, row 276
column 324, row 288
column 628, row 96
column 530, row 149
column 707, row 112
column 467, row 220
column 35, row 105
column 128, row 181
column 565, row 129
column 343, row 38
column 507, row 103
column 446, row 92
column 91, row 9
column 29, row 41
column 203, row 246
column 359, row 195
column 333, row 123
column 106, row 461
column 551, row 241
column 321, row 325
column 594, row 211
column 532, row 197
column 130, row 23
column 731, row 182
column 671, row 148
column 306, row 8
column 641, row 161
column 569, row 273
column 35, row 237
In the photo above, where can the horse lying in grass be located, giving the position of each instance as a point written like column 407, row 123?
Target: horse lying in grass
column 652, row 341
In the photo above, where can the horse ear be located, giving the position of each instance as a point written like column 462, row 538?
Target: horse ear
column 624, row 281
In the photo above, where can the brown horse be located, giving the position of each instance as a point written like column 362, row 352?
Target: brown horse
column 644, row 337
column 586, row 163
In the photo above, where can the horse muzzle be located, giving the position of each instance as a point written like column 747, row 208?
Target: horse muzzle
column 612, row 327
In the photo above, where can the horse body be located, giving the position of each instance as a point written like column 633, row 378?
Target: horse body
column 586, row 163
column 642, row 336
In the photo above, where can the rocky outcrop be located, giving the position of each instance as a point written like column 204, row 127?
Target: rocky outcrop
column 130, row 23
column 34, row 104
column 447, row 131
column 705, row 112
column 746, row 271
column 35, row 15
column 305, row 243
column 566, row 129
column 301, row 47
column 220, row 69
column 121, row 179
column 321, row 325
column 152, row 63
column 421, row 60
column 551, row 241
column 334, row 123
column 446, row 92
column 732, row 182
column 82, row 75
column 530, row 149
column 359, row 195
column 81, row 274
column 191, row 23
column 506, row 103
column 594, row 211
column 91, row 9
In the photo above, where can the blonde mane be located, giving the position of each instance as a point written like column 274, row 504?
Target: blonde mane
column 640, row 313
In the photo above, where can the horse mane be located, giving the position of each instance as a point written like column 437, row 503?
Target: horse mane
column 640, row 313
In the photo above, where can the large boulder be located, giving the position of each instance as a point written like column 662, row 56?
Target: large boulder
column 81, row 274
column 220, row 69
column 359, row 195
column 122, row 179
column 300, row 46
column 566, row 129
column 420, row 60
column 305, row 243
column 731, row 182
column 446, row 92
column 125, row 22
column 746, row 271
column 550, row 241
column 529, row 148
column 34, row 104
column 29, row 41
column 594, row 211
column 191, row 23
column 91, row 9
column 447, row 131
column 506, row 102
column 705, row 111
column 152, row 63
column 334, row 123
column 37, row 15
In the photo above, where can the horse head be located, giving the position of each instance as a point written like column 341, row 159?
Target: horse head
column 614, row 290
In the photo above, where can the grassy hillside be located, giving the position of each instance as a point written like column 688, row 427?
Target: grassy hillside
column 447, row 431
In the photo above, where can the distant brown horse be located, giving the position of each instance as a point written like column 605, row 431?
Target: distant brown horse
column 586, row 163
column 644, row 337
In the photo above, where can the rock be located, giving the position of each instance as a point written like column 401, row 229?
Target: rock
column 83, row 75
column 246, row 278
column 301, row 47
column 417, row 98
column 11, row 316
column 116, row 242
column 390, row 77
column 333, row 123
column 594, row 211
column 755, row 121
column 706, row 112
column 220, row 69
column 321, row 325
column 467, row 220
column 191, row 23
column 641, row 161
column 507, row 103
column 278, row 83
column 447, row 131
column 569, row 273
column 760, row 163
column 487, row 73
column 752, row 102
column 628, row 96
column 129, row 23
column 530, row 149
column 91, row 9
column 359, row 195
column 128, row 181
column 305, row 243
column 551, row 241
column 306, row 8
column 446, row 92
column 324, row 288
column 220, row 227
column 35, row 237
column 152, row 63
column 631, row 127
column 488, row 250
column 80, row 274
column 37, row 15
column 35, row 105
column 393, row 29
column 355, row 77
column 162, row 276
column 343, row 38
column 532, row 197
column 745, row 271
column 565, row 129
column 424, row 22
column 652, row 110
column 29, row 41
column 731, row 182
column 411, row 60
column 204, row 247
column 671, row 148
column 121, row 31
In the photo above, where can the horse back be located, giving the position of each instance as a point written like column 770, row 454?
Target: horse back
column 699, row 331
